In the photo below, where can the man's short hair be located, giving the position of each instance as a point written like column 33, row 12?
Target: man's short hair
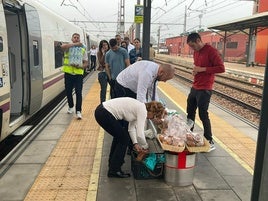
column 113, row 42
column 76, row 34
column 193, row 37
column 126, row 38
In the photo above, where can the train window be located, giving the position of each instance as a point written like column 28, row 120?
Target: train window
column 1, row 44
column 232, row 45
column 35, row 53
column 58, row 54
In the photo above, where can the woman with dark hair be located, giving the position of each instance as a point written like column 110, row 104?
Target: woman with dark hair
column 124, row 44
column 102, row 76
column 109, row 115
column 136, row 53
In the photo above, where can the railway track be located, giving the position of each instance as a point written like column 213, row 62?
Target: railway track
column 234, row 95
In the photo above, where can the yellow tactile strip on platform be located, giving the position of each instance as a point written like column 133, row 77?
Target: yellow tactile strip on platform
column 241, row 147
column 67, row 173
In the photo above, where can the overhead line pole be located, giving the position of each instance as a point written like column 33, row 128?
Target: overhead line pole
column 146, row 29
column 138, row 26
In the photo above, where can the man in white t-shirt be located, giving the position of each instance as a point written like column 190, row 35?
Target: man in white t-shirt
column 129, row 45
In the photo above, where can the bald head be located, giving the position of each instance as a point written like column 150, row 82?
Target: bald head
column 165, row 72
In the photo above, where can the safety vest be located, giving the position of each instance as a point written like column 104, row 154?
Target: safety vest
column 71, row 69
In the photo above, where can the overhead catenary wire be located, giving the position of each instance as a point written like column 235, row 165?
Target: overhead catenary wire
column 164, row 13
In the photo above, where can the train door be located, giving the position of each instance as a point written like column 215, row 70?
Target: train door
column 35, row 59
column 24, row 45
column 15, row 33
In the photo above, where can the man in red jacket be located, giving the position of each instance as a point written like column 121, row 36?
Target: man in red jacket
column 207, row 62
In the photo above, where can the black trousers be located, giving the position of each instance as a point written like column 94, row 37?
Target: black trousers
column 121, row 91
column 102, row 77
column 120, row 137
column 200, row 99
column 93, row 62
column 76, row 82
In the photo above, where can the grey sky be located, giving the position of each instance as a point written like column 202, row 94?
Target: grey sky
column 168, row 15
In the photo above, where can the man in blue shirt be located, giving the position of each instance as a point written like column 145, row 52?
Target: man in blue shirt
column 116, row 60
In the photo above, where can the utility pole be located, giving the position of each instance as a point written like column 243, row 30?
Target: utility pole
column 121, row 18
column 200, row 20
column 146, row 29
column 158, row 39
column 184, row 30
column 138, row 25
column 185, row 16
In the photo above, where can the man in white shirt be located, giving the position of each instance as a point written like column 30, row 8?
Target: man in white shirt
column 129, row 45
column 140, row 79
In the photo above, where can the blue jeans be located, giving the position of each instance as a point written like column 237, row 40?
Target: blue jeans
column 200, row 99
column 102, row 77
column 76, row 82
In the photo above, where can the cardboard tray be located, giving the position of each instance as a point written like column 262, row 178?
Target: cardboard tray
column 171, row 148
column 204, row 148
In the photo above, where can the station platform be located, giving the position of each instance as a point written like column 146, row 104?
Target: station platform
column 68, row 160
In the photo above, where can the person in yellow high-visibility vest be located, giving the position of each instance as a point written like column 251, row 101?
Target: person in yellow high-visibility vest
column 75, row 61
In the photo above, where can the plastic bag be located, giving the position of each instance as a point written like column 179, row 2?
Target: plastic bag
column 149, row 134
column 75, row 56
column 150, row 161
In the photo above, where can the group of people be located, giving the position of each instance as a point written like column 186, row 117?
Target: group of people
column 135, row 49
column 133, row 92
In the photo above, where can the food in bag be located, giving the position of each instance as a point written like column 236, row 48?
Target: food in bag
column 194, row 139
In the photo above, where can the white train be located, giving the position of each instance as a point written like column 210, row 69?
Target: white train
column 30, row 63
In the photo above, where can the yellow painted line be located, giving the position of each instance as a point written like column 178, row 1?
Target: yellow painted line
column 94, row 178
column 162, row 87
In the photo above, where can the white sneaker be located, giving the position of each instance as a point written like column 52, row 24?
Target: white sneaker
column 79, row 115
column 70, row 110
column 212, row 146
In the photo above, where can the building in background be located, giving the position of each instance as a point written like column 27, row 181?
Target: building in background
column 262, row 37
column 236, row 44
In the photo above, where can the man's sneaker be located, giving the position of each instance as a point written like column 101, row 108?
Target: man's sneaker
column 212, row 146
column 79, row 115
column 70, row 110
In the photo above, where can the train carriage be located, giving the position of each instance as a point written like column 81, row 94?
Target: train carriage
column 30, row 60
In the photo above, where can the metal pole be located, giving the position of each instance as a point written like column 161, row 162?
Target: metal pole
column 138, row 26
column 158, row 39
column 146, row 29
column 185, row 17
column 260, row 178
